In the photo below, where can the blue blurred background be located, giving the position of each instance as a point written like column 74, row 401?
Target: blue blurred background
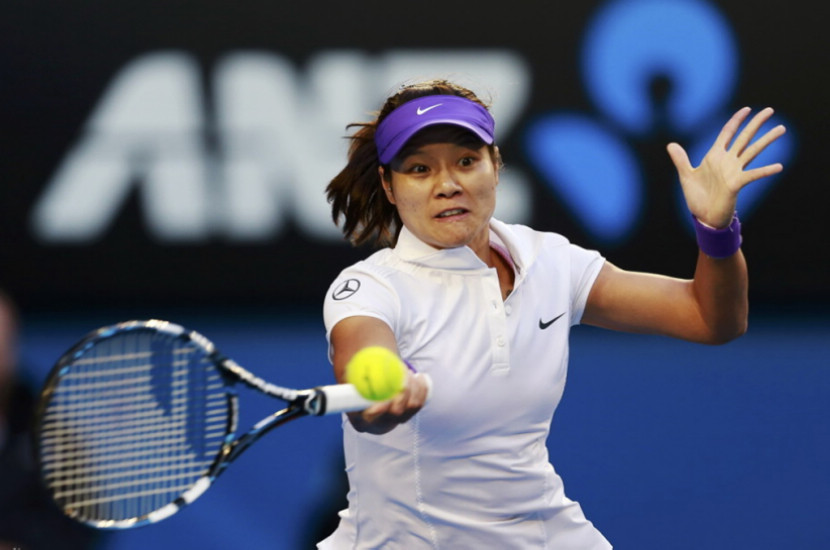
column 169, row 161
column 665, row 444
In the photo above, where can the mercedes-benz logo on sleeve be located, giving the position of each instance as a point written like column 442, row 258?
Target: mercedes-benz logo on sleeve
column 346, row 289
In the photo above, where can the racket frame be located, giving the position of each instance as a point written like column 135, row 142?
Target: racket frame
column 317, row 401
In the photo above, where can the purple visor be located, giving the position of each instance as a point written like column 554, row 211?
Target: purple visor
column 405, row 121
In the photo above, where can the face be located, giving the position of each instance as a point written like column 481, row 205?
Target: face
column 445, row 193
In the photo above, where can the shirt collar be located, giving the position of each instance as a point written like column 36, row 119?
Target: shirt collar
column 411, row 249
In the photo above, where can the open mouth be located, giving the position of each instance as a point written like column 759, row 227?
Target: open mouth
column 451, row 212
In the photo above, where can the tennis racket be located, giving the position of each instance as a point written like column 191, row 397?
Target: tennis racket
column 138, row 419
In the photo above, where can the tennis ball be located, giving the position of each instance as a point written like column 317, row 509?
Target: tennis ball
column 376, row 372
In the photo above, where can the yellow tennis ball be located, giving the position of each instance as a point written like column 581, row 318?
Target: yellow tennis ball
column 376, row 372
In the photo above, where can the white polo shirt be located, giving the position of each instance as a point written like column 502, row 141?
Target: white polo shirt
column 471, row 469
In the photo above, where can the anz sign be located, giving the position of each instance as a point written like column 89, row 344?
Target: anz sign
column 255, row 154
column 241, row 156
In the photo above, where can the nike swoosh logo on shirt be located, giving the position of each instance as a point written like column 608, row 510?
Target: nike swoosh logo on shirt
column 424, row 110
column 543, row 325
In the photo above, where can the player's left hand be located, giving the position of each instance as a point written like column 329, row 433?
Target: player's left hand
column 711, row 189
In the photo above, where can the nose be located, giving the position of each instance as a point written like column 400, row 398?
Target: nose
column 447, row 185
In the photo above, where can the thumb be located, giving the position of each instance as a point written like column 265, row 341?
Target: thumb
column 679, row 158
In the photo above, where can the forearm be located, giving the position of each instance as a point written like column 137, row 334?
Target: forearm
column 720, row 288
column 355, row 333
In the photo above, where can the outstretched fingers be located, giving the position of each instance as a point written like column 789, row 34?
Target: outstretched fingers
column 711, row 188
column 729, row 129
column 762, row 172
column 743, row 149
column 749, row 131
column 757, row 147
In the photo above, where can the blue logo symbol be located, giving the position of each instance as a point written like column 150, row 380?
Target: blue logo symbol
column 651, row 68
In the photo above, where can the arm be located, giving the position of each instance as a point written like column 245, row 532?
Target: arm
column 353, row 334
column 712, row 307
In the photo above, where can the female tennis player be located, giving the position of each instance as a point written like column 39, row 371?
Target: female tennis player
column 485, row 308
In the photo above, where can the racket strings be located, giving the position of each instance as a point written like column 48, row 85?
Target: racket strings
column 133, row 422
column 132, row 454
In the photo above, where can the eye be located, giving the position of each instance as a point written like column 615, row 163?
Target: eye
column 468, row 160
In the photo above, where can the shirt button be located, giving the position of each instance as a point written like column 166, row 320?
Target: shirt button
column 500, row 341
column 508, row 310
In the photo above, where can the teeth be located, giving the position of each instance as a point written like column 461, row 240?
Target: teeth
column 451, row 213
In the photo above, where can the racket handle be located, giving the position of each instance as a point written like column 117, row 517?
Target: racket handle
column 339, row 398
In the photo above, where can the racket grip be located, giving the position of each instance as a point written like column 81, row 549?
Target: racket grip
column 340, row 398
column 337, row 398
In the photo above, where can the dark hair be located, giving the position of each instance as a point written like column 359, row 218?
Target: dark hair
column 356, row 193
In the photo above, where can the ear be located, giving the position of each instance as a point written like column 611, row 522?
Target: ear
column 497, row 163
column 386, row 184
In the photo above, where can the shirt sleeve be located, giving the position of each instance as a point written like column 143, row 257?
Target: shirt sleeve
column 360, row 291
column 585, row 267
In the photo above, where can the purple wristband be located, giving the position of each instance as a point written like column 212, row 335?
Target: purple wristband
column 718, row 243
